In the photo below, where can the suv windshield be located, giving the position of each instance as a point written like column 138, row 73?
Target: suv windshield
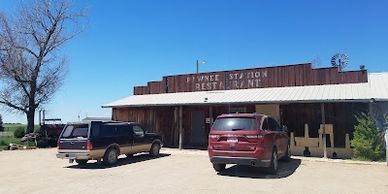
column 76, row 131
column 234, row 124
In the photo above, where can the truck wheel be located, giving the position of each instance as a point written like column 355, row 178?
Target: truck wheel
column 273, row 167
column 219, row 167
column 81, row 161
column 110, row 156
column 155, row 149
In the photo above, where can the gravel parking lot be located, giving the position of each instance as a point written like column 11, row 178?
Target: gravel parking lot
column 188, row 171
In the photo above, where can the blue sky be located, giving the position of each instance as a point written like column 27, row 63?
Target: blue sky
column 128, row 43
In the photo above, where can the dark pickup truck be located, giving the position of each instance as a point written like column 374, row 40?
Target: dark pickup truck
column 105, row 140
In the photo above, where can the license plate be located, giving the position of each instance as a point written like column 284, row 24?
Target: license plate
column 232, row 140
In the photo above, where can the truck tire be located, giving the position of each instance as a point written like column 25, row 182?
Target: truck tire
column 155, row 149
column 110, row 156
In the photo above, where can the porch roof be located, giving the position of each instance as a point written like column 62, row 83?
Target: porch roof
column 376, row 89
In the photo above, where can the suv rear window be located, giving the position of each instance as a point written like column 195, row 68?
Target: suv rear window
column 234, row 124
column 75, row 131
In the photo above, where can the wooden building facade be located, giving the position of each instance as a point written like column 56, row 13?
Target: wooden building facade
column 188, row 124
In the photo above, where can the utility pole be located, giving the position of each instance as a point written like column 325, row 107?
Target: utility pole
column 199, row 62
column 197, row 66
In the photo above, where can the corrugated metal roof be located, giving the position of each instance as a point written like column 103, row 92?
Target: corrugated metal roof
column 376, row 88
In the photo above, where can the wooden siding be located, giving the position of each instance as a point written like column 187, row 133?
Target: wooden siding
column 341, row 115
column 280, row 76
column 164, row 120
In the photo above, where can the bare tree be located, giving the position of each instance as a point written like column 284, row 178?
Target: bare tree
column 31, row 70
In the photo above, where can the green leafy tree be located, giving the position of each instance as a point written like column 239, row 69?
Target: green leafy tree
column 368, row 142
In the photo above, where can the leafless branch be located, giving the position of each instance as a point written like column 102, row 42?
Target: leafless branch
column 30, row 69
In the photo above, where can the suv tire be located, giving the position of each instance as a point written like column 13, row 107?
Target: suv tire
column 110, row 156
column 273, row 167
column 287, row 157
column 155, row 149
column 219, row 167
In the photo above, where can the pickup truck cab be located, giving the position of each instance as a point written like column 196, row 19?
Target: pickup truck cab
column 105, row 140
column 247, row 139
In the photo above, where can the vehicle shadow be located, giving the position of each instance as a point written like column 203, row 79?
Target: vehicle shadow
column 120, row 162
column 285, row 169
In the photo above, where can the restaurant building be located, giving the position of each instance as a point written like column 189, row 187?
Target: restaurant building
column 314, row 104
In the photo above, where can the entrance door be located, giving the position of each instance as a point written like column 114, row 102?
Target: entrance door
column 198, row 134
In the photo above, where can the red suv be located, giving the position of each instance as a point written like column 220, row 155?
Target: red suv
column 247, row 139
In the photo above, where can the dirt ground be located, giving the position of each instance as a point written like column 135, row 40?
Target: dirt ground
column 188, row 171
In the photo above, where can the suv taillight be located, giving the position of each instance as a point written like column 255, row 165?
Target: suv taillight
column 89, row 145
column 58, row 144
column 254, row 136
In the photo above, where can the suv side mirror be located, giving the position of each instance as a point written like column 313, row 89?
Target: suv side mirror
column 285, row 128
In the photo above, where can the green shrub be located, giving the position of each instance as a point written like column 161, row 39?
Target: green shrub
column 19, row 132
column 3, row 142
column 368, row 142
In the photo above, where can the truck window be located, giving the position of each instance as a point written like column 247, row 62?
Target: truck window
column 138, row 131
column 76, row 131
column 95, row 129
column 108, row 130
column 123, row 130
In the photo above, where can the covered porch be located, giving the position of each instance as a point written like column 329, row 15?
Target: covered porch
column 315, row 115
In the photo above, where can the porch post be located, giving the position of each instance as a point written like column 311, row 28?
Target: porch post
column 323, row 130
column 211, row 115
column 180, row 127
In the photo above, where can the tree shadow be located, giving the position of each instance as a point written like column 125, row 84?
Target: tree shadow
column 120, row 162
column 285, row 169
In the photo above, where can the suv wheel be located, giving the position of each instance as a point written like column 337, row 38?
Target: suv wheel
column 110, row 156
column 287, row 157
column 219, row 167
column 155, row 149
column 273, row 167
column 81, row 161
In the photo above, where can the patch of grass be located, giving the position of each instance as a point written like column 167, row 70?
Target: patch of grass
column 13, row 127
column 5, row 141
column 7, row 136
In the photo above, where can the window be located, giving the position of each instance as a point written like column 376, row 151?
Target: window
column 234, row 124
column 138, row 131
column 273, row 125
column 123, row 130
column 75, row 131
column 265, row 124
column 95, row 129
column 108, row 130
